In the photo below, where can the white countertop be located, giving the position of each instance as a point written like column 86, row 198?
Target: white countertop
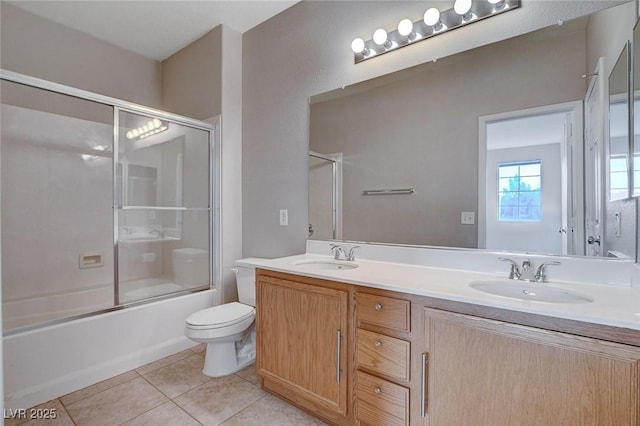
column 617, row 306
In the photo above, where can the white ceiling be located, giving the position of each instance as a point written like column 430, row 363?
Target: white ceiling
column 154, row 29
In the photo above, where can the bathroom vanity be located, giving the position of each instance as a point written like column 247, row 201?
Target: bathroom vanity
column 352, row 353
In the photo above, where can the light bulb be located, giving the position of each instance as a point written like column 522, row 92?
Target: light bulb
column 405, row 27
column 129, row 134
column 380, row 37
column 357, row 45
column 497, row 4
column 156, row 123
column 135, row 133
column 462, row 7
column 432, row 16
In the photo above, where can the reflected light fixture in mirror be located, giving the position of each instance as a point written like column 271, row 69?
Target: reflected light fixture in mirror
column 435, row 22
column 150, row 128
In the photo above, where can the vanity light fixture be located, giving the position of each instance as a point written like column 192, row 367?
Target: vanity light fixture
column 434, row 22
column 432, row 19
column 150, row 128
column 463, row 8
column 405, row 29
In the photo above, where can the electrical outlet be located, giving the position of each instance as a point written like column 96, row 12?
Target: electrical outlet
column 468, row 218
column 284, row 217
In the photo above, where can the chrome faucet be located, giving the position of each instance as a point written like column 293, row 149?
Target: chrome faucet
column 338, row 249
column 352, row 253
column 342, row 250
column 526, row 273
column 541, row 272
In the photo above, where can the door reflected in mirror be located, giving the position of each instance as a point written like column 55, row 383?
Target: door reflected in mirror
column 619, row 161
column 527, row 181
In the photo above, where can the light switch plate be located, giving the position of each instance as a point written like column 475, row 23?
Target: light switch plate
column 468, row 218
column 284, row 217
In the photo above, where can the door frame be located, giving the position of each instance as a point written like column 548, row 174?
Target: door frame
column 596, row 84
column 572, row 176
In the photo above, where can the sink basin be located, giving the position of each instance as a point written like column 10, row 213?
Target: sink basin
column 530, row 291
column 325, row 265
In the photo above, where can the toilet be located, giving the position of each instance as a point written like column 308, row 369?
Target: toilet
column 190, row 267
column 228, row 329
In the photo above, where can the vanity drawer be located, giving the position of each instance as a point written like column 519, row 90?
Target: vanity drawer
column 383, row 311
column 379, row 402
column 382, row 354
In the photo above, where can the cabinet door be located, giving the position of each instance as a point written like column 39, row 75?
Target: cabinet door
column 483, row 372
column 301, row 332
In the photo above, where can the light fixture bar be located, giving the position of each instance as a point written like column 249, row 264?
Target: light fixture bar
column 463, row 13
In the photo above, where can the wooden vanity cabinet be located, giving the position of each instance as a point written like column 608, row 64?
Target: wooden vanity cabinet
column 486, row 372
column 356, row 355
column 382, row 358
column 302, row 338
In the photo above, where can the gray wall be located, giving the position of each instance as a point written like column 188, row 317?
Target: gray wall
column 305, row 51
column 191, row 78
column 421, row 131
column 40, row 48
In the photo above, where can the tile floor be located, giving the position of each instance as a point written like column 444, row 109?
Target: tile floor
column 173, row 391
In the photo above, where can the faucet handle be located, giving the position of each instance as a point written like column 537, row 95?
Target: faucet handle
column 352, row 253
column 541, row 272
column 337, row 249
column 515, row 269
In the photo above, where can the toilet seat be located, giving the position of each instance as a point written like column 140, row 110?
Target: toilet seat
column 220, row 316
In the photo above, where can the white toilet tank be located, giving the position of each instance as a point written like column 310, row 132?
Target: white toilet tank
column 191, row 267
column 246, row 280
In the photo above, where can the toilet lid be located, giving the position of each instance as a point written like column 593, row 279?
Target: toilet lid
column 221, row 315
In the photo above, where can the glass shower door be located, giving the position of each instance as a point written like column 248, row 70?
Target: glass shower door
column 163, row 188
column 56, row 197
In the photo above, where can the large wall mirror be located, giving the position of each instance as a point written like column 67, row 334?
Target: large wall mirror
column 482, row 149
column 636, row 109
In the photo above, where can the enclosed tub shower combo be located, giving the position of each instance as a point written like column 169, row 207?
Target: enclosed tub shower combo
column 105, row 204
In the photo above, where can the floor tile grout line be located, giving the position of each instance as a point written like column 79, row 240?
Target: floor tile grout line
column 186, row 412
column 166, row 365
column 138, row 415
column 97, row 393
column 158, row 389
column 240, row 411
column 66, row 411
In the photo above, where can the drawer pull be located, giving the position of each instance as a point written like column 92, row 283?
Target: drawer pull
column 377, row 344
column 377, row 390
column 378, row 306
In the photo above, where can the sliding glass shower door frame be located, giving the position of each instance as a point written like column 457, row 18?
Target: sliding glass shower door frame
column 118, row 105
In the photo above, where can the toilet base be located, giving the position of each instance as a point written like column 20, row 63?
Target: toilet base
column 227, row 358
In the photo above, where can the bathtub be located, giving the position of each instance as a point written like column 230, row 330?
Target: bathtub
column 51, row 361
column 48, row 307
